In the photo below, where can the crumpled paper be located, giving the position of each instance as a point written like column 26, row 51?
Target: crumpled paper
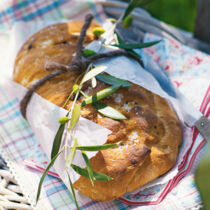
column 45, row 123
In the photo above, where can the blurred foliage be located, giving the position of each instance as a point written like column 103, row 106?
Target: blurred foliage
column 180, row 13
column 202, row 178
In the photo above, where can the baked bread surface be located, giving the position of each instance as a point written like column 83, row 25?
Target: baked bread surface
column 149, row 138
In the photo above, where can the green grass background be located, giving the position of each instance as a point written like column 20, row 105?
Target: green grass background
column 180, row 13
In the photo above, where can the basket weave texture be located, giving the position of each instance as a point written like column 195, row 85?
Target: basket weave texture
column 11, row 196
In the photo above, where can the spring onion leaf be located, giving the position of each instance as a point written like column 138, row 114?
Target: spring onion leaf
column 135, row 46
column 71, row 154
column 57, row 141
column 98, row 176
column 111, row 80
column 75, row 116
column 100, row 95
column 127, row 21
column 45, row 173
column 108, row 111
column 96, row 148
column 72, row 189
column 132, row 5
column 89, row 167
column 92, row 73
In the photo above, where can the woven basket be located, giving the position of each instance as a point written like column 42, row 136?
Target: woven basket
column 11, row 196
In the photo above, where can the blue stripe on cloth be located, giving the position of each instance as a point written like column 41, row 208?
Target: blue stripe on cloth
column 58, row 187
column 8, row 104
column 56, row 190
column 10, row 117
column 10, row 10
column 43, row 10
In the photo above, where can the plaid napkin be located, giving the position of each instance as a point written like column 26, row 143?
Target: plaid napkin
column 185, row 66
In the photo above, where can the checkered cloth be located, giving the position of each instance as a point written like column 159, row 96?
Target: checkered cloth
column 184, row 66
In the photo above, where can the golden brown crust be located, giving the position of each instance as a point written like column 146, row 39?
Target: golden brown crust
column 150, row 138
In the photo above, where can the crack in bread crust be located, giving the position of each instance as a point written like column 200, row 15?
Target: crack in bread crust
column 148, row 140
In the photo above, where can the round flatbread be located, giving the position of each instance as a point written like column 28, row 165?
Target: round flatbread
column 148, row 139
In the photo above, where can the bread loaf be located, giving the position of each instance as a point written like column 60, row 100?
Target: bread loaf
column 149, row 138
